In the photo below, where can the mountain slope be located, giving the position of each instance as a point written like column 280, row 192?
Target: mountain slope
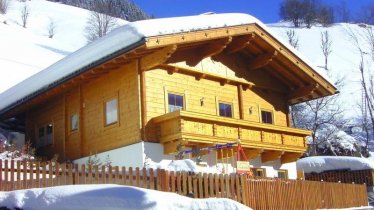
column 25, row 51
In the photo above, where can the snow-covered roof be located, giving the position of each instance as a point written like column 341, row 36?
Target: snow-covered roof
column 116, row 43
column 320, row 164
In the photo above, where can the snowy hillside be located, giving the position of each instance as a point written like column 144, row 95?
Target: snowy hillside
column 343, row 62
column 25, row 51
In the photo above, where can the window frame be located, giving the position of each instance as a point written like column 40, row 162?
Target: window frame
column 43, row 140
column 282, row 171
column 271, row 114
column 40, row 138
column 177, row 94
column 255, row 170
column 71, row 122
column 226, row 103
column 105, row 111
column 51, row 134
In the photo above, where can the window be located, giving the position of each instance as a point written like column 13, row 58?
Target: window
column 267, row 117
column 41, row 137
column 282, row 174
column 175, row 102
column 111, row 111
column 225, row 110
column 74, row 122
column 259, row 172
column 49, row 134
column 45, row 135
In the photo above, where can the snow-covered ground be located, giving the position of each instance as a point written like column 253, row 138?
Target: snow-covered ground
column 320, row 164
column 112, row 197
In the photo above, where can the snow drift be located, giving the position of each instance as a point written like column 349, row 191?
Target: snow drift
column 320, row 164
column 109, row 197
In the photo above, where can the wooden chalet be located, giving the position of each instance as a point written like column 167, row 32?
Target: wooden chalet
column 194, row 81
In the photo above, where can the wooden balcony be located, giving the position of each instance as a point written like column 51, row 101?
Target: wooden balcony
column 196, row 129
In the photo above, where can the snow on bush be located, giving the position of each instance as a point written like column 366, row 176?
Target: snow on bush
column 112, row 197
column 320, row 164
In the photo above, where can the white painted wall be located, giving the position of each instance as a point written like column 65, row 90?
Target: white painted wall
column 129, row 156
column 134, row 156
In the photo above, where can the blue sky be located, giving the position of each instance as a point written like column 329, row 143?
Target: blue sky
column 265, row 10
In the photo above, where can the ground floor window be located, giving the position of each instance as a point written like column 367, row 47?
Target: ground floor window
column 283, row 174
column 111, row 111
column 74, row 122
column 259, row 172
column 45, row 135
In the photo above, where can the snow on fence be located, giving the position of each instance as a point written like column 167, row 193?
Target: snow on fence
column 255, row 193
column 347, row 176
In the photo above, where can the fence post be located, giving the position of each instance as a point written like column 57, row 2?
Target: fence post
column 164, row 180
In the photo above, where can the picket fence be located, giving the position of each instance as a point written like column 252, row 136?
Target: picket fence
column 255, row 193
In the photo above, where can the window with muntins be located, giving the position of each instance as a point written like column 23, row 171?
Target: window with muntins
column 175, row 102
column 267, row 117
column 111, row 111
column 225, row 110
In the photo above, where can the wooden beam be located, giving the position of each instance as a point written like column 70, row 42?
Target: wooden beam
column 209, row 50
column 302, row 92
column 289, row 157
column 156, row 58
column 281, row 78
column 270, row 156
column 262, row 60
column 252, row 153
column 239, row 43
column 171, row 146
column 143, row 101
column 240, row 100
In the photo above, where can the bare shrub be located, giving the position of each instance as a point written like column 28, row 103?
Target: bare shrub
column 25, row 13
column 51, row 28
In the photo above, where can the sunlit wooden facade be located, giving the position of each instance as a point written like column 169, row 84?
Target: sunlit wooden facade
column 194, row 89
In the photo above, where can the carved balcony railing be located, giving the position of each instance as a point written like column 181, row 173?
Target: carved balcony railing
column 191, row 128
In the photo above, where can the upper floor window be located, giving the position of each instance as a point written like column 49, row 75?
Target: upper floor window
column 111, row 111
column 74, row 122
column 225, row 109
column 282, row 174
column 267, row 117
column 175, row 102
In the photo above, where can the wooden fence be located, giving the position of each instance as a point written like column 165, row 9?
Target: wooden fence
column 358, row 177
column 255, row 193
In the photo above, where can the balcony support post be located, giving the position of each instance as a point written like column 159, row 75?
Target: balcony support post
column 240, row 99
